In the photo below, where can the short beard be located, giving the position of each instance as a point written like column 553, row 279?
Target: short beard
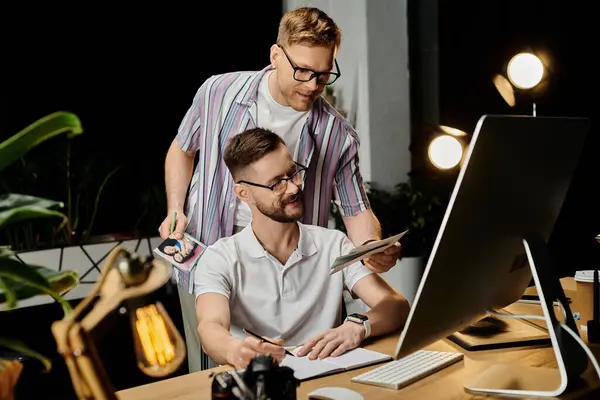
column 278, row 213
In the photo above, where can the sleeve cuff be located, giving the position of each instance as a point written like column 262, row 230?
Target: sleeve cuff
column 208, row 290
column 357, row 277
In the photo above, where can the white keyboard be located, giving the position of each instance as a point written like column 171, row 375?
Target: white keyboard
column 409, row 369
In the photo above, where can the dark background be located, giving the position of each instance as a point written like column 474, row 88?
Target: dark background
column 130, row 75
column 476, row 40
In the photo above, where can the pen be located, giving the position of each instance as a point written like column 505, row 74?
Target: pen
column 173, row 221
column 246, row 331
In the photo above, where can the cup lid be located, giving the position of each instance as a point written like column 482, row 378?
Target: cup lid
column 585, row 276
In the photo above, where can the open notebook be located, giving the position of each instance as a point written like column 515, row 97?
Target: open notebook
column 357, row 358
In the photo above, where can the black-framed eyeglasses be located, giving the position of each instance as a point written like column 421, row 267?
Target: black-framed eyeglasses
column 306, row 74
column 280, row 187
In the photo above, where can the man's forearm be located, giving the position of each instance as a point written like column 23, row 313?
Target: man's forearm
column 216, row 341
column 362, row 227
column 178, row 173
column 388, row 315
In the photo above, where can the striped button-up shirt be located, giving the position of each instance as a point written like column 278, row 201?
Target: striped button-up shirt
column 225, row 105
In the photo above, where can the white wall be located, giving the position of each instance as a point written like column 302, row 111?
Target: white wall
column 389, row 91
column 374, row 87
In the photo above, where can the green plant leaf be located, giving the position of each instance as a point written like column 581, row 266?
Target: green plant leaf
column 21, row 207
column 41, row 130
column 5, row 251
column 18, row 346
column 14, row 200
column 9, row 294
column 60, row 281
column 28, row 281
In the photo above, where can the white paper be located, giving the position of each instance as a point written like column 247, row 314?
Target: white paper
column 305, row 368
column 356, row 358
column 360, row 253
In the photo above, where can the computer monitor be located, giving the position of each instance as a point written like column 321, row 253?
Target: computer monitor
column 511, row 185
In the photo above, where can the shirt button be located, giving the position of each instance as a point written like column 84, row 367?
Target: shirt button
column 231, row 205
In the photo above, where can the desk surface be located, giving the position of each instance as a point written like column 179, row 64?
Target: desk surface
column 444, row 384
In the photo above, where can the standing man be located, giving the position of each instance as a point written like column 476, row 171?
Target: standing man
column 284, row 97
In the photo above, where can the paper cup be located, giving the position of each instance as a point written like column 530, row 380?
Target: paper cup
column 584, row 307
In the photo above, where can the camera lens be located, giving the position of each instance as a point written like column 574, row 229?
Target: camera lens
column 222, row 386
column 262, row 364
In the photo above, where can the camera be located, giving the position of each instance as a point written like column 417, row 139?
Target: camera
column 263, row 379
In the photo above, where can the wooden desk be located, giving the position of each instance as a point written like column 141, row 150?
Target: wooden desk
column 444, row 384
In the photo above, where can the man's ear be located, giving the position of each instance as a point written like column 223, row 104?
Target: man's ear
column 274, row 56
column 242, row 192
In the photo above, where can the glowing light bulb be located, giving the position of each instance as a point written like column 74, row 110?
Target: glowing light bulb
column 445, row 152
column 525, row 70
column 159, row 348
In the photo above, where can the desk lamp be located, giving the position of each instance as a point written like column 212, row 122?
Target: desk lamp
column 446, row 150
column 526, row 72
column 158, row 346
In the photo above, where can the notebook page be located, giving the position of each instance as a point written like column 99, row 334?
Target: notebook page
column 305, row 368
column 358, row 357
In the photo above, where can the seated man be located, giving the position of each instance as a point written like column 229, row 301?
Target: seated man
column 273, row 278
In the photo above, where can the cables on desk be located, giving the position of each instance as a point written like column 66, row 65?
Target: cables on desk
column 564, row 326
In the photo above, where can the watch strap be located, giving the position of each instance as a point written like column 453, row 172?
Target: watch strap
column 366, row 324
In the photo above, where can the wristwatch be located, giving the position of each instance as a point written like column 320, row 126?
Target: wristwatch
column 361, row 319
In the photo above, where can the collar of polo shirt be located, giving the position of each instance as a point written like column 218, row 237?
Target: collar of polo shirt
column 306, row 244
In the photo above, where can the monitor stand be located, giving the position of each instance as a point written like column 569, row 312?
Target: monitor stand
column 518, row 380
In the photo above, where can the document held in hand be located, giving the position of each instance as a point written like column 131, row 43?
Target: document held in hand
column 359, row 253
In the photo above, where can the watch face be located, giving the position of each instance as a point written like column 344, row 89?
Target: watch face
column 359, row 316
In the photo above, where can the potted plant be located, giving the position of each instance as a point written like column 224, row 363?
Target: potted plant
column 19, row 281
column 79, row 181
column 410, row 206
column 66, row 243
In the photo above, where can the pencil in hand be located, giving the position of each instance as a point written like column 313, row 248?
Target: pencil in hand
column 247, row 332
column 173, row 221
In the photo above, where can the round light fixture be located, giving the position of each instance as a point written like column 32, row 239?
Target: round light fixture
column 445, row 152
column 505, row 89
column 525, row 70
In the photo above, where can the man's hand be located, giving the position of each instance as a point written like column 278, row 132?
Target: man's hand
column 165, row 228
column 385, row 260
column 333, row 342
column 248, row 348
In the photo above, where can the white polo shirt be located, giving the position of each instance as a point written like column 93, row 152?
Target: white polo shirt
column 294, row 301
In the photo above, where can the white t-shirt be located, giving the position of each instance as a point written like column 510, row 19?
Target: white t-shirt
column 294, row 301
column 284, row 121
